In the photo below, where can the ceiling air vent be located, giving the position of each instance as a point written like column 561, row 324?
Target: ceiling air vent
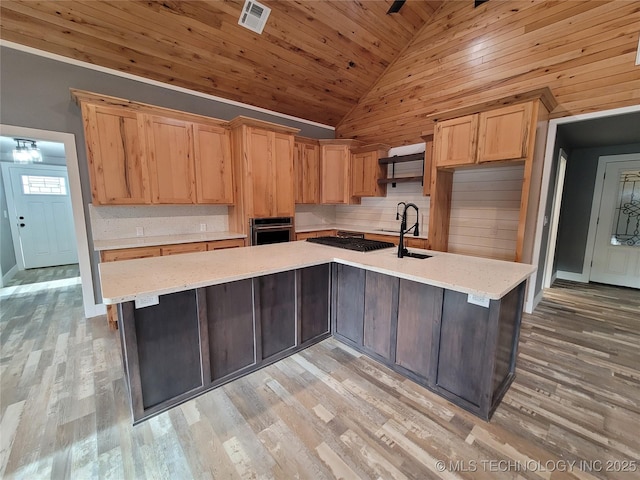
column 254, row 16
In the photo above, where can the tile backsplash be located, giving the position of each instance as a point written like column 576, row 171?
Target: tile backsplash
column 113, row 222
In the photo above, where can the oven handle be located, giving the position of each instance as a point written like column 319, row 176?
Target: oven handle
column 273, row 227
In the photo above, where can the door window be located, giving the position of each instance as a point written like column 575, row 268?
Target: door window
column 43, row 185
column 626, row 223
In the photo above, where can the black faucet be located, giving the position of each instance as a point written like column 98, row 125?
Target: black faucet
column 403, row 227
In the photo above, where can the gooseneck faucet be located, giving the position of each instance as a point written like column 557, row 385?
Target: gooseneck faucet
column 403, row 227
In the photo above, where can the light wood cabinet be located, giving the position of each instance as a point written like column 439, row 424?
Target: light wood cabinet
column 456, row 141
column 183, row 248
column 306, row 168
column 382, row 238
column 129, row 253
column 316, row 234
column 223, row 244
column 214, row 172
column 335, row 171
column 490, row 133
column 366, row 171
column 171, row 164
column 117, row 155
column 504, row 133
column 263, row 164
column 143, row 154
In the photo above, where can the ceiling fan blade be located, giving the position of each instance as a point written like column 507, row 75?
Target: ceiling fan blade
column 395, row 6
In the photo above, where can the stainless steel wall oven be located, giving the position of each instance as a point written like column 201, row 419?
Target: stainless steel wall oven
column 271, row 230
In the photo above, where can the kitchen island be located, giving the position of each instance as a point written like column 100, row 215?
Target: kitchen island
column 192, row 322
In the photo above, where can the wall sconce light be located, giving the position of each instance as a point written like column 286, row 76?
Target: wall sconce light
column 26, row 151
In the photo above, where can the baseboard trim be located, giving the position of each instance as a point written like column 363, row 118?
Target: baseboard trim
column 572, row 276
column 9, row 275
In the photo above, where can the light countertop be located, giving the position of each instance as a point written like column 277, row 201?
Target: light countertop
column 130, row 279
column 133, row 242
column 352, row 228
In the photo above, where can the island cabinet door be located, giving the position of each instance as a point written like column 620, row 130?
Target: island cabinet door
column 419, row 311
column 230, row 326
column 380, row 314
column 348, row 303
column 464, row 356
column 312, row 286
column 275, row 310
column 162, row 351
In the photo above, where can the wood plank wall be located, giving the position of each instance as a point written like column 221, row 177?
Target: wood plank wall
column 583, row 50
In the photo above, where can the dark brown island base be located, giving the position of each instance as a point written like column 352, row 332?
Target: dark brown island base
column 195, row 340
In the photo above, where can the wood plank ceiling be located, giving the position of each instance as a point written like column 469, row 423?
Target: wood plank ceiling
column 314, row 59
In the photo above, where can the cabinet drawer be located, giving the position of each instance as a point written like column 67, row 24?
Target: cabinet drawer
column 129, row 253
column 382, row 238
column 221, row 244
column 415, row 242
column 184, row 248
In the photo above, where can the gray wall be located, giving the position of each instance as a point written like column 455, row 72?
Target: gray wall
column 7, row 255
column 577, row 197
column 561, row 143
column 34, row 92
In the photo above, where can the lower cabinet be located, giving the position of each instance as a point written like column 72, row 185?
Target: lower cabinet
column 162, row 350
column 196, row 340
column 229, row 310
column 313, row 285
column 348, row 303
column 274, row 297
column 417, row 340
column 380, row 314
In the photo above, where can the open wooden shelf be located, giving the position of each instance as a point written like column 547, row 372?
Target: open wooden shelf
column 417, row 178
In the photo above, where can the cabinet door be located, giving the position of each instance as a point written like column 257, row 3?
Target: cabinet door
column 275, row 312
column 456, row 141
column 334, row 174
column 365, row 172
column 222, row 244
column 283, row 204
column 307, row 173
column 117, row 155
column 259, row 173
column 380, row 312
column 231, row 328
column 171, row 165
column 419, row 309
column 214, row 178
column 184, row 248
column 313, row 301
column 462, row 356
column 504, row 133
column 129, row 253
column 348, row 303
column 163, row 349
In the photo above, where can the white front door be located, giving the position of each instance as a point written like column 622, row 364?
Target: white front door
column 43, row 216
column 616, row 253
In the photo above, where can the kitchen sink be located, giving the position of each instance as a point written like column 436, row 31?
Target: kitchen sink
column 417, row 255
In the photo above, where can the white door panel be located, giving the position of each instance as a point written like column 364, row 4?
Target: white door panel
column 616, row 253
column 43, row 214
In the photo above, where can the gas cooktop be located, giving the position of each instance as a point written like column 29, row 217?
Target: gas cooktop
column 358, row 244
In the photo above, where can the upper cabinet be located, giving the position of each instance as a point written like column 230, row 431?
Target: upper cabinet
column 504, row 133
column 171, row 164
column 335, row 171
column 497, row 135
column 263, row 162
column 142, row 154
column 366, row 171
column 306, row 168
column 456, row 141
column 214, row 172
column 117, row 155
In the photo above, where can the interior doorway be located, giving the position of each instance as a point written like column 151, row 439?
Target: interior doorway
column 39, row 204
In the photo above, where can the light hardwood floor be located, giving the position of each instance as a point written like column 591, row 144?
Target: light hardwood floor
column 327, row 412
column 46, row 274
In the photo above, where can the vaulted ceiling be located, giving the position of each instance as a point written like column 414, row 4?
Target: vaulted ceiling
column 314, row 60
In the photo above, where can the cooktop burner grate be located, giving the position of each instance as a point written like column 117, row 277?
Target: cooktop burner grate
column 358, row 244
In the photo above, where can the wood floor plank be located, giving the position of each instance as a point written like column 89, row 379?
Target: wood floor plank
column 326, row 412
